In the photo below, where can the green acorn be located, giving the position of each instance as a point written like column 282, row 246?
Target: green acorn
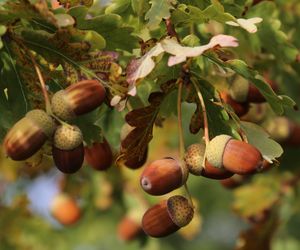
column 28, row 135
column 68, row 150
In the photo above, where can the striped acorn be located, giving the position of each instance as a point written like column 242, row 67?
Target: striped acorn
column 128, row 229
column 28, row 135
column 68, row 150
column 167, row 216
column 163, row 176
column 235, row 156
column 77, row 99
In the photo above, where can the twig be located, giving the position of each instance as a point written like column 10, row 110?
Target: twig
column 179, row 120
column 204, row 112
column 42, row 83
column 170, row 29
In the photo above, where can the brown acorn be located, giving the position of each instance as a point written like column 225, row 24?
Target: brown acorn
column 77, row 99
column 65, row 209
column 99, row 155
column 243, row 91
column 239, row 108
column 28, row 135
column 234, row 181
column 235, row 156
column 163, row 176
column 68, row 150
column 284, row 131
column 167, row 216
column 215, row 173
column 128, row 229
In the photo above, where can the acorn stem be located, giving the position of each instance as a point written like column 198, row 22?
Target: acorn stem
column 189, row 195
column 42, row 83
column 202, row 103
column 179, row 120
column 60, row 120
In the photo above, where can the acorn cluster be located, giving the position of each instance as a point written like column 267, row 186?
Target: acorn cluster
column 30, row 133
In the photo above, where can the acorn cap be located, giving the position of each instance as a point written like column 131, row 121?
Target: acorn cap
column 215, row 150
column 180, row 210
column 194, row 158
column 61, row 107
column 239, row 90
column 67, row 137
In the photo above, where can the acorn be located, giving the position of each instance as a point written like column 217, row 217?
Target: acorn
column 235, row 156
column 239, row 108
column 68, row 150
column 28, row 135
column 128, row 229
column 163, row 176
column 99, row 155
column 234, row 181
column 243, row 91
column 215, row 173
column 65, row 209
column 77, row 99
column 284, row 131
column 194, row 160
column 167, row 216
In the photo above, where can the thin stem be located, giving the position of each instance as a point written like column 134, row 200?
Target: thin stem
column 170, row 29
column 42, row 83
column 179, row 120
column 202, row 103
column 189, row 195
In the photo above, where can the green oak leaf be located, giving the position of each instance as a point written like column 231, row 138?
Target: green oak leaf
column 257, row 136
column 160, row 9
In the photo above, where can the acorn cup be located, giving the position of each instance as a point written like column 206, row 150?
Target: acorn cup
column 163, row 176
column 239, row 108
column 77, row 99
column 235, row 156
column 65, row 209
column 167, row 216
column 68, row 150
column 28, row 135
column 99, row 155
column 194, row 159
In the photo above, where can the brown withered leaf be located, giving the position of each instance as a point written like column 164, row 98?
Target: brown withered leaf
column 259, row 236
column 196, row 122
column 143, row 119
column 72, row 3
